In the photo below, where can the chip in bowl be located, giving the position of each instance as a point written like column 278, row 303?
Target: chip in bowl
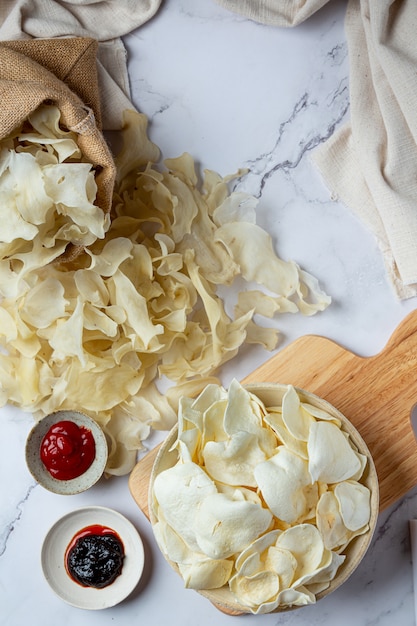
column 264, row 498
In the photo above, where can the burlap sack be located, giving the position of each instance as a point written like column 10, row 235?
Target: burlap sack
column 61, row 72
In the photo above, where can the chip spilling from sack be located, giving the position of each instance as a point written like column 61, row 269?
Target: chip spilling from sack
column 262, row 500
column 48, row 193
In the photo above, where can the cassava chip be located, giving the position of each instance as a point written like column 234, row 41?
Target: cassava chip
column 330, row 523
column 354, row 504
column 296, row 495
column 225, row 526
column 294, row 416
column 179, row 491
column 234, row 460
column 322, row 578
column 171, row 543
column 197, row 570
column 295, row 597
column 331, row 457
column 305, row 543
column 283, row 562
column 206, row 573
column 256, row 590
column 275, row 421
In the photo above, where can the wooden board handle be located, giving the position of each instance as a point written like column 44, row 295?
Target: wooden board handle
column 139, row 480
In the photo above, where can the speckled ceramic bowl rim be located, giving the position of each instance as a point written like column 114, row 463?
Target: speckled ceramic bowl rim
column 39, row 471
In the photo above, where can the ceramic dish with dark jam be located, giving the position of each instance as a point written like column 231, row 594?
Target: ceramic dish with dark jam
column 93, row 557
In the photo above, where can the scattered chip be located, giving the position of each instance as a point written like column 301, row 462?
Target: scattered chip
column 143, row 302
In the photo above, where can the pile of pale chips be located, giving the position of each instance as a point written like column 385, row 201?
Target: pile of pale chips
column 142, row 302
column 264, row 500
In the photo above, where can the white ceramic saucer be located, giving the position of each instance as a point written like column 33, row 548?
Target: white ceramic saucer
column 55, row 546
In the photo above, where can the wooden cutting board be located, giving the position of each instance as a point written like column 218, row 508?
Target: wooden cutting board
column 377, row 394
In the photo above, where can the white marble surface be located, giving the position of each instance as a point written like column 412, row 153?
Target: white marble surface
column 236, row 94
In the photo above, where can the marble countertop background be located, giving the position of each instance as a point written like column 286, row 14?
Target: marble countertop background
column 236, row 94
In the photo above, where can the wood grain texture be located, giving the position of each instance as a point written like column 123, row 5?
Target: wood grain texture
column 377, row 394
column 139, row 480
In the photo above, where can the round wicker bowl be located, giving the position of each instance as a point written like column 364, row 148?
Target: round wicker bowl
column 271, row 394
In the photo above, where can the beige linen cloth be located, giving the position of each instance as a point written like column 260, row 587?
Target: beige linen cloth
column 371, row 162
column 104, row 20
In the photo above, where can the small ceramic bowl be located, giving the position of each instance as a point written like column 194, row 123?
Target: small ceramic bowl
column 55, row 546
column 271, row 395
column 40, row 472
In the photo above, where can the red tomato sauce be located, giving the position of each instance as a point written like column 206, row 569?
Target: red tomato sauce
column 67, row 450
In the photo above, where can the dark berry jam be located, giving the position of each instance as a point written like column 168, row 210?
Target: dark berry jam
column 94, row 557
